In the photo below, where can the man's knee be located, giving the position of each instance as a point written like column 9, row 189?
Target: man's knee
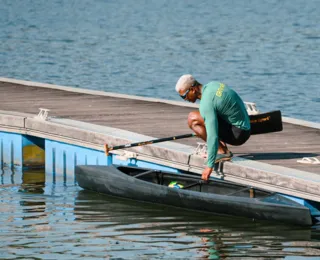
column 194, row 118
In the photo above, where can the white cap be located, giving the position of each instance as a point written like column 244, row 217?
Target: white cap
column 185, row 82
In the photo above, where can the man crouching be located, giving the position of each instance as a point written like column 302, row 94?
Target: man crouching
column 222, row 118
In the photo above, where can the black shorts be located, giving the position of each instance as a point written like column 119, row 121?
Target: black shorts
column 231, row 134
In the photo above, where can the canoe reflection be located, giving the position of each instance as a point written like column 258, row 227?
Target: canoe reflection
column 211, row 236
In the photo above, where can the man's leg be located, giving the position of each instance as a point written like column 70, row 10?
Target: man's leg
column 223, row 147
column 196, row 123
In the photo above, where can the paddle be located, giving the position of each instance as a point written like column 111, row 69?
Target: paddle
column 266, row 122
column 260, row 124
column 111, row 148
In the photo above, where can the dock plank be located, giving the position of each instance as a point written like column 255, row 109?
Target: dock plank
column 159, row 120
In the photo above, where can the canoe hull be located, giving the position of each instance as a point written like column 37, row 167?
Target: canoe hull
column 109, row 180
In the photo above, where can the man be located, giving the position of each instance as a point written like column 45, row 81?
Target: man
column 222, row 119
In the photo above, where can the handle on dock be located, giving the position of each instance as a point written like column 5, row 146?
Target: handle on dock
column 110, row 148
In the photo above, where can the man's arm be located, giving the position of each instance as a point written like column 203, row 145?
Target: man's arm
column 211, row 124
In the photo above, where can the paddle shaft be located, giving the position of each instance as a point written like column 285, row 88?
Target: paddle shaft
column 111, row 148
column 260, row 124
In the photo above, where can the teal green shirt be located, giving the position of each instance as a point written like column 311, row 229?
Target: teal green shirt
column 219, row 99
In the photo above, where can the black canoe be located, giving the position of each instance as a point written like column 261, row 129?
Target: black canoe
column 216, row 196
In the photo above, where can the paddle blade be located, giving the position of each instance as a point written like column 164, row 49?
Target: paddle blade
column 106, row 149
column 266, row 122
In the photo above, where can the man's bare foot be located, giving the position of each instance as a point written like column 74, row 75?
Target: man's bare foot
column 220, row 151
column 223, row 149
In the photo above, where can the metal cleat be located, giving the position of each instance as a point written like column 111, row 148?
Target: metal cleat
column 201, row 150
column 251, row 108
column 43, row 114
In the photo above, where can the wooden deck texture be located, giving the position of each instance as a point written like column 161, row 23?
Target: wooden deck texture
column 158, row 120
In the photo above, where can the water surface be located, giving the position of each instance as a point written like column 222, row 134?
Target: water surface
column 268, row 50
column 46, row 217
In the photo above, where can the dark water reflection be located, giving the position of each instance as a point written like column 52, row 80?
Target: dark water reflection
column 41, row 219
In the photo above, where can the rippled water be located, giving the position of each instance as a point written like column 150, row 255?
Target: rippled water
column 268, row 50
column 44, row 218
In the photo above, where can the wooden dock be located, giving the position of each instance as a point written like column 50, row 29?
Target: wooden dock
column 157, row 119
column 88, row 119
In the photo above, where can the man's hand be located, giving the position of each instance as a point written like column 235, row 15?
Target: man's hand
column 206, row 173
